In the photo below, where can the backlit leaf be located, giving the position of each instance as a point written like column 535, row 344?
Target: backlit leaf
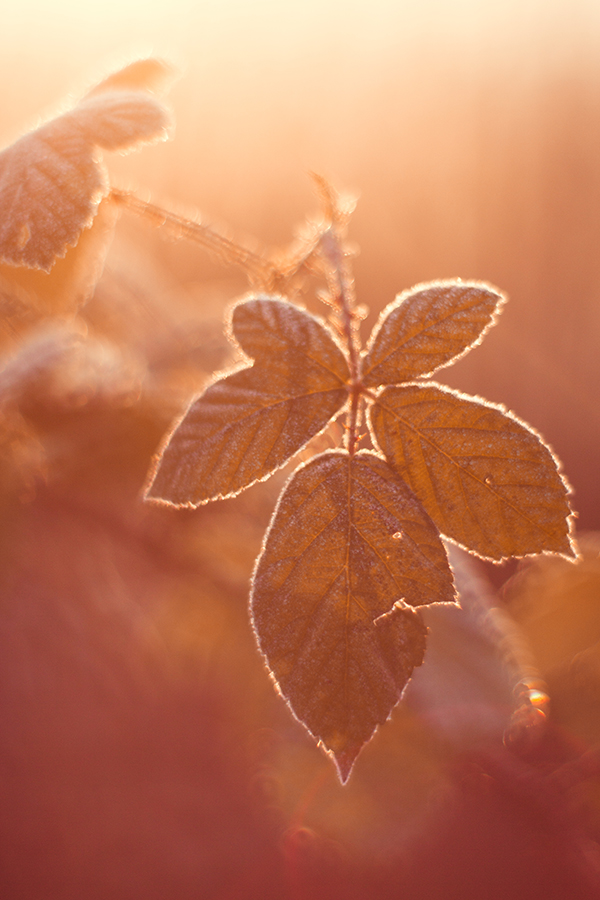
column 427, row 327
column 250, row 423
column 348, row 552
column 72, row 279
column 52, row 180
column 121, row 120
column 485, row 478
column 141, row 75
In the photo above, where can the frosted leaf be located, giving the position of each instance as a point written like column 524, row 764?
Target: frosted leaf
column 72, row 279
column 332, row 592
column 485, row 478
column 52, row 180
column 248, row 424
column 117, row 121
column 429, row 326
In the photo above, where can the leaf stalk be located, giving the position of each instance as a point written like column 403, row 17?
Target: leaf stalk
column 341, row 286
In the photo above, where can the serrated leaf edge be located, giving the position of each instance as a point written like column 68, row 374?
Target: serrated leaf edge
column 501, row 408
column 146, row 489
column 280, row 298
column 343, row 771
column 241, row 365
column 426, row 285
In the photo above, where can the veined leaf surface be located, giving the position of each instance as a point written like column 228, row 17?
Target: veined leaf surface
column 250, row 423
column 348, row 552
column 427, row 327
column 72, row 279
column 486, row 479
column 52, row 180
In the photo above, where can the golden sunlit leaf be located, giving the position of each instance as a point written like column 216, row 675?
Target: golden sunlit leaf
column 485, row 478
column 348, row 552
column 52, row 180
column 117, row 121
column 72, row 279
column 250, row 423
column 427, row 327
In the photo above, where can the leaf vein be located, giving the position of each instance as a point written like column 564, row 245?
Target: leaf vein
column 455, row 463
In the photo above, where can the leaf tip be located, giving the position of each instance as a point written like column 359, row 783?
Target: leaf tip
column 343, row 751
column 344, row 762
column 158, row 496
column 148, row 496
column 154, row 493
column 152, row 74
column 569, row 548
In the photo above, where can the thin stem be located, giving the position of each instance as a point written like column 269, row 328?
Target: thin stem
column 257, row 267
column 341, row 285
column 265, row 273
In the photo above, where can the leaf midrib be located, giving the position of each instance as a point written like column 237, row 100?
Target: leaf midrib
column 416, row 334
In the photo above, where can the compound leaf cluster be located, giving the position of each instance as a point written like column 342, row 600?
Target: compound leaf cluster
column 355, row 545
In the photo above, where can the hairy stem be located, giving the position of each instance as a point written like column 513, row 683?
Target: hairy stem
column 341, row 285
column 258, row 267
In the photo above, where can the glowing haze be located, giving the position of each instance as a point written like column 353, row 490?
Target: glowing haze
column 468, row 129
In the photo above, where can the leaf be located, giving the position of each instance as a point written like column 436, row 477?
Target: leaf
column 427, row 327
column 485, row 478
column 348, row 552
column 72, row 279
column 52, row 180
column 141, row 75
column 247, row 425
column 119, row 121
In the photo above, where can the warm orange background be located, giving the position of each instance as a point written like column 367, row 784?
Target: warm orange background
column 471, row 132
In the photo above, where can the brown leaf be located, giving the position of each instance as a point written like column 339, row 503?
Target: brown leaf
column 247, row 425
column 72, row 279
column 348, row 552
column 52, row 180
column 427, row 327
column 485, row 478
